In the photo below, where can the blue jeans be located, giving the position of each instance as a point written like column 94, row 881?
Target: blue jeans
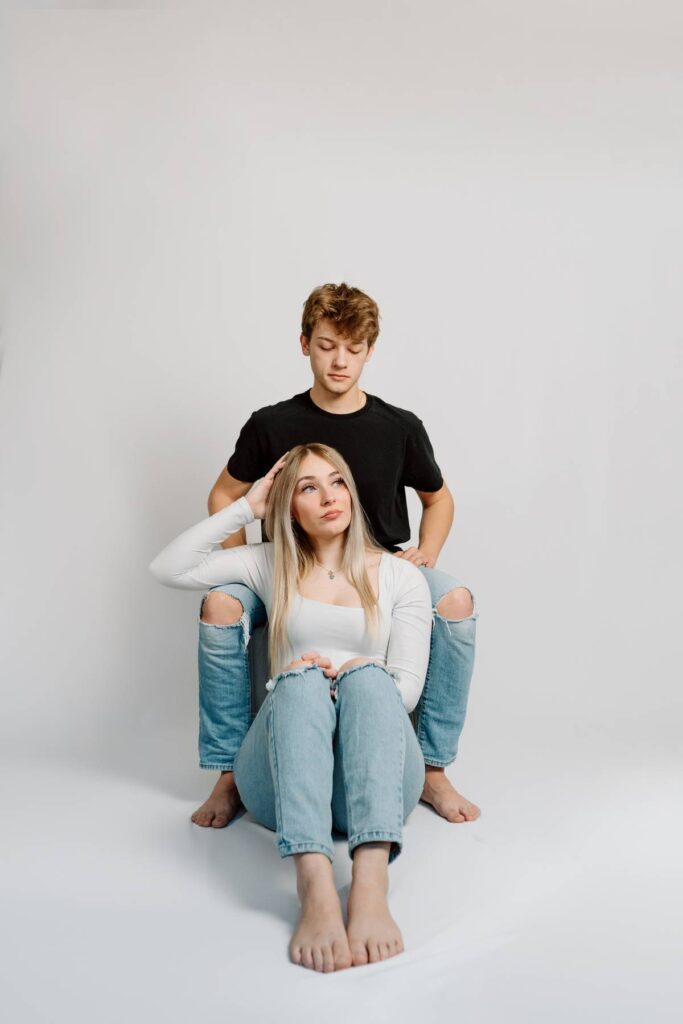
column 225, row 711
column 311, row 762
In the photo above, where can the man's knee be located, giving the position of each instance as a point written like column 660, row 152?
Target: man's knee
column 219, row 609
column 456, row 604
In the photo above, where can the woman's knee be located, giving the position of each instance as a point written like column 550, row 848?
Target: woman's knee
column 219, row 609
column 368, row 685
column 305, row 684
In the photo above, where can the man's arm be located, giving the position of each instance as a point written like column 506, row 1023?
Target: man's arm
column 226, row 490
column 438, row 508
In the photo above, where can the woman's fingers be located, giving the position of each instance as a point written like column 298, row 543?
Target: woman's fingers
column 272, row 472
column 260, row 489
column 314, row 658
column 322, row 662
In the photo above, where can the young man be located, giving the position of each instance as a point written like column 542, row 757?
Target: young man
column 387, row 449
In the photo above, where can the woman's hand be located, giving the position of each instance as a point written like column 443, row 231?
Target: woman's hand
column 258, row 495
column 313, row 658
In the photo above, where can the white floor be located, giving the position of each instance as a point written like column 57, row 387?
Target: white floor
column 562, row 903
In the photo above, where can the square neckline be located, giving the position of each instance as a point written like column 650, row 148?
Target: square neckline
column 351, row 607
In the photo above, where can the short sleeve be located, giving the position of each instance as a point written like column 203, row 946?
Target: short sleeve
column 245, row 463
column 420, row 469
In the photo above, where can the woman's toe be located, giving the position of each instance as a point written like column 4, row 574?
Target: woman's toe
column 318, row 960
column 359, row 953
column 307, row 957
column 342, row 956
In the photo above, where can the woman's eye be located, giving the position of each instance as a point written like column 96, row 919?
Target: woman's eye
column 338, row 481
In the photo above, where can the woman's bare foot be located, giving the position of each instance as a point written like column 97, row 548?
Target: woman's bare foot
column 373, row 933
column 222, row 805
column 446, row 800
column 319, row 941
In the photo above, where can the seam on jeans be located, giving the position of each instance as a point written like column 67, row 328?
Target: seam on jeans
column 424, row 696
column 402, row 764
column 270, row 728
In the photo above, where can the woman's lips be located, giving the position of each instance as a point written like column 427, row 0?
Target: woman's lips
column 332, row 515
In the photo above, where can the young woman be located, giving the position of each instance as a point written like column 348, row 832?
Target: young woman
column 332, row 745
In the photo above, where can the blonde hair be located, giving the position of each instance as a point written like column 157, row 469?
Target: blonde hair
column 354, row 314
column 295, row 557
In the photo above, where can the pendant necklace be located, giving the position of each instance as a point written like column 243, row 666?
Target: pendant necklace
column 330, row 572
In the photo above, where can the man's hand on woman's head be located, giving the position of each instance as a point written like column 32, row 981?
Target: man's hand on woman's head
column 258, row 495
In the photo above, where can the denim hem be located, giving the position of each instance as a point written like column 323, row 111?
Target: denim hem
column 439, row 764
column 287, row 849
column 374, row 836
column 216, row 767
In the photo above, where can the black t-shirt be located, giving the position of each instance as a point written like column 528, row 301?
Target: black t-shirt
column 387, row 449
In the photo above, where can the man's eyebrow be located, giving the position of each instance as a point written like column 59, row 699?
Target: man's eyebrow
column 350, row 341
column 334, row 471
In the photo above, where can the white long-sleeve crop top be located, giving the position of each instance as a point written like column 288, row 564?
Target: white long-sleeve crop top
column 336, row 631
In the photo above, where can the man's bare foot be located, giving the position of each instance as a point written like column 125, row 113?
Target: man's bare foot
column 373, row 933
column 445, row 799
column 319, row 941
column 222, row 805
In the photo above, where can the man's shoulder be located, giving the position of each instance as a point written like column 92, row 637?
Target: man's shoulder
column 272, row 414
column 395, row 413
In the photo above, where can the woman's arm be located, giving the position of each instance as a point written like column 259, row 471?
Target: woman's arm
column 411, row 631
column 191, row 562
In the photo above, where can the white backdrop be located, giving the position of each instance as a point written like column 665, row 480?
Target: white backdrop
column 505, row 181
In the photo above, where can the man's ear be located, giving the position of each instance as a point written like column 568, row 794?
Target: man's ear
column 369, row 355
column 305, row 345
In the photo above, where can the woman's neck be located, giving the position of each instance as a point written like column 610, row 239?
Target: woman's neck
column 328, row 552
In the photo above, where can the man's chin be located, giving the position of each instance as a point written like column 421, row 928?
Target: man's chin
column 338, row 387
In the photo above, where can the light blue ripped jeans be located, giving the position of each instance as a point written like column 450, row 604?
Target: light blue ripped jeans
column 323, row 755
column 225, row 707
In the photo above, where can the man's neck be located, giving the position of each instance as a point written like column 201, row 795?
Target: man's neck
column 351, row 401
